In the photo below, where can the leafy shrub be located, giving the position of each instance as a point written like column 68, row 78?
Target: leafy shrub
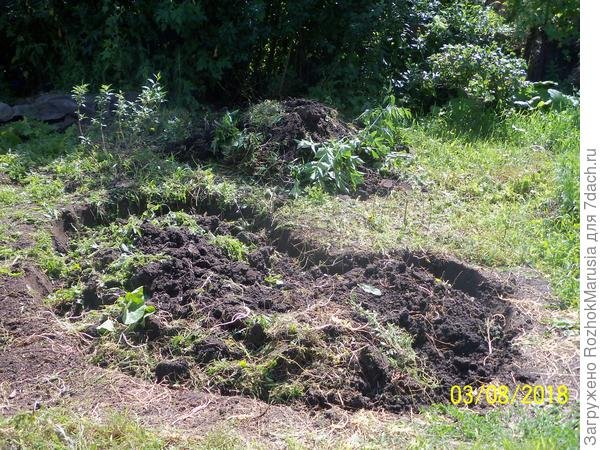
column 548, row 34
column 260, row 48
column 483, row 73
column 466, row 48
column 136, row 123
column 383, row 132
column 268, row 48
column 466, row 22
column 232, row 144
column 207, row 49
column 335, row 166
column 227, row 136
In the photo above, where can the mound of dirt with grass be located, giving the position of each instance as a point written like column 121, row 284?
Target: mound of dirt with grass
column 285, row 124
column 267, row 143
column 304, row 119
column 393, row 333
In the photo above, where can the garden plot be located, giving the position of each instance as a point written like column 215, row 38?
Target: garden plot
column 204, row 303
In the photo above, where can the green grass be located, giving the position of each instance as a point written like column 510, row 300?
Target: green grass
column 234, row 248
column 546, row 428
column 436, row 427
column 8, row 196
column 60, row 428
column 522, row 172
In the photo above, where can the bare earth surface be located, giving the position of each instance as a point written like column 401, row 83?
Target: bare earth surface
column 43, row 362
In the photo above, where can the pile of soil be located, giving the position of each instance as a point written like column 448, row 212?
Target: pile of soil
column 300, row 119
column 304, row 119
column 461, row 334
column 461, row 338
column 173, row 284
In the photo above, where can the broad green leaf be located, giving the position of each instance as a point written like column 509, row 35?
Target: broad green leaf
column 131, row 317
column 135, row 308
column 135, row 297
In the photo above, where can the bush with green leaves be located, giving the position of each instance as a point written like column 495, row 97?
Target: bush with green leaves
column 334, row 167
column 466, row 22
column 136, row 122
column 548, row 37
column 486, row 74
column 208, row 50
column 383, row 129
column 227, row 136
column 341, row 53
column 467, row 48
column 232, row 144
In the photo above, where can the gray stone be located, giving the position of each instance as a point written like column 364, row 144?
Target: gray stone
column 6, row 112
column 48, row 109
column 23, row 110
column 54, row 109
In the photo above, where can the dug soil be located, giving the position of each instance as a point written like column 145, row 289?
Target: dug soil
column 391, row 332
column 300, row 119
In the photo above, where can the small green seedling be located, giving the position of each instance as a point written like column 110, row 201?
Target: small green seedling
column 274, row 279
column 135, row 309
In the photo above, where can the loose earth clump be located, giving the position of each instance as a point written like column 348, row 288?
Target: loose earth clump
column 280, row 126
column 303, row 119
column 235, row 315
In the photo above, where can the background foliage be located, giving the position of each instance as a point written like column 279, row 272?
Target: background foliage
column 343, row 52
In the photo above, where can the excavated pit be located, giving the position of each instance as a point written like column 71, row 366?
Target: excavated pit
column 388, row 332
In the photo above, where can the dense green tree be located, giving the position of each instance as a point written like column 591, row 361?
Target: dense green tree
column 342, row 51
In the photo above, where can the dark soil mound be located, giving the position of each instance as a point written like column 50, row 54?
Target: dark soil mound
column 270, row 157
column 174, row 284
column 300, row 119
column 389, row 335
column 304, row 119
column 461, row 339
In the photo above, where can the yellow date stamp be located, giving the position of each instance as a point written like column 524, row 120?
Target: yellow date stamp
column 500, row 394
